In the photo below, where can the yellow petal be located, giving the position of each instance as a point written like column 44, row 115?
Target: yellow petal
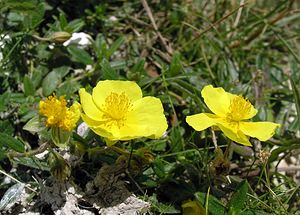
column 96, row 127
column 105, row 88
column 89, row 106
column 261, row 130
column 232, row 132
column 201, row 121
column 216, row 99
column 146, row 119
column 251, row 113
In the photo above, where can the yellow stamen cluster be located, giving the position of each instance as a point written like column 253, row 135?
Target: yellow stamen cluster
column 239, row 108
column 115, row 108
column 58, row 114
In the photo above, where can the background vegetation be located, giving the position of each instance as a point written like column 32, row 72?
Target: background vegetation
column 171, row 49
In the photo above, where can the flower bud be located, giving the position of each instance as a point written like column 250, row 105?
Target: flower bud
column 59, row 167
column 60, row 137
column 60, row 36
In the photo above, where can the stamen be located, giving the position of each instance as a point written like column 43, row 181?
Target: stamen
column 116, row 108
column 239, row 108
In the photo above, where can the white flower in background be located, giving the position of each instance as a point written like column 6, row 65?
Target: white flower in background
column 81, row 39
column 113, row 18
column 3, row 40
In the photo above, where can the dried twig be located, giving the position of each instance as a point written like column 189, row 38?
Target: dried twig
column 161, row 38
column 256, row 33
column 217, row 22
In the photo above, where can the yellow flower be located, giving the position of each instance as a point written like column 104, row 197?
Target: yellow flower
column 192, row 208
column 230, row 111
column 117, row 111
column 58, row 114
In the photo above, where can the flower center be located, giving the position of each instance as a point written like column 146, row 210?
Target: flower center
column 115, row 109
column 239, row 108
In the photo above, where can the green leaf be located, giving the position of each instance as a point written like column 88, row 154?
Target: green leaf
column 4, row 100
column 107, row 71
column 115, row 46
column 10, row 142
column 50, row 83
column 297, row 99
column 63, row 22
column 74, row 26
column 32, row 162
column 158, row 145
column 12, row 195
column 175, row 66
column 62, row 71
column 139, row 67
column 215, row 207
column 28, row 86
column 34, row 17
column 158, row 168
column 34, row 125
column 80, row 55
column 176, row 140
column 16, row 5
column 6, row 127
column 101, row 47
column 239, row 197
column 68, row 88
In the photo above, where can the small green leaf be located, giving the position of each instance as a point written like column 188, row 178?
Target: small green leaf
column 239, row 197
column 158, row 168
column 34, row 125
column 12, row 195
column 28, row 86
column 62, row 71
column 80, row 55
column 4, row 100
column 34, row 17
column 175, row 66
column 50, row 83
column 74, row 26
column 62, row 21
column 176, row 140
column 114, row 46
column 10, row 142
column 107, row 71
column 32, row 162
column 139, row 67
column 297, row 99
column 158, row 145
column 101, row 47
column 6, row 126
column 68, row 88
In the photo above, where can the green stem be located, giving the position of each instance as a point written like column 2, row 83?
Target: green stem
column 228, row 151
column 39, row 150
